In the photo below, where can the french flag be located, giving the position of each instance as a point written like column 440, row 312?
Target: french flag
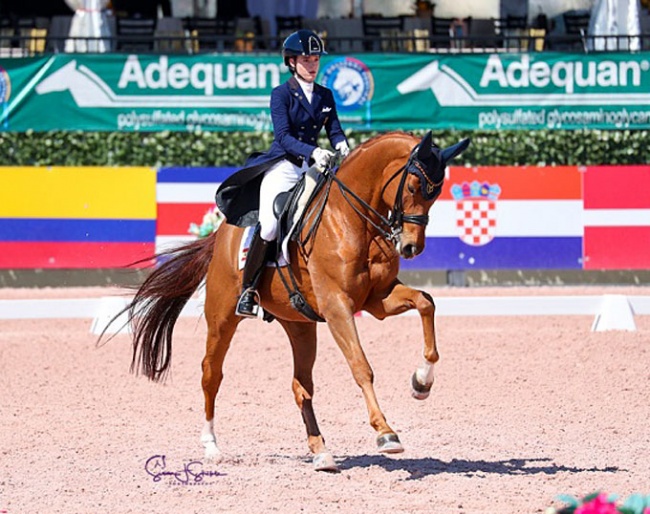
column 617, row 217
column 183, row 196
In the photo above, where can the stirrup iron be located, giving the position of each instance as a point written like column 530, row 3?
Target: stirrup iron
column 247, row 308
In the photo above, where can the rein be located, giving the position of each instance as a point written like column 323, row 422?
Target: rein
column 390, row 228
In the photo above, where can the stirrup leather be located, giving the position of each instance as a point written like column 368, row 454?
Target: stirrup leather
column 248, row 304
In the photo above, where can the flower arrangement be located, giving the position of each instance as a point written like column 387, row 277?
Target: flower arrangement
column 211, row 221
column 603, row 503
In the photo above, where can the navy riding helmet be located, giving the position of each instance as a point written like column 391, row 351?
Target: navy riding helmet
column 302, row 42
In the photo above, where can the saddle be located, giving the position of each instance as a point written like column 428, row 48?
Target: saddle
column 289, row 208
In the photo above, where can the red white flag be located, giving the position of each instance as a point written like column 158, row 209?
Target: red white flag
column 616, row 217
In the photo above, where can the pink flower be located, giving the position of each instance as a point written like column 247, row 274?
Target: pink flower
column 599, row 505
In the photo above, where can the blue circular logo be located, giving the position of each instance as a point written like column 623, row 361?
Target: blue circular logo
column 5, row 85
column 350, row 81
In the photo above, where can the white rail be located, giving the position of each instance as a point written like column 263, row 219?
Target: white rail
column 612, row 312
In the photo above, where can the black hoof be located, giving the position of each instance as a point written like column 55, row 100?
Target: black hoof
column 420, row 391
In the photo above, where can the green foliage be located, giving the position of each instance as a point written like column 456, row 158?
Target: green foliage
column 582, row 147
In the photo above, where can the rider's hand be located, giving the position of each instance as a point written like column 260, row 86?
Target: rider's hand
column 322, row 158
column 343, row 149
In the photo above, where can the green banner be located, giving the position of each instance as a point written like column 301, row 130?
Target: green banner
column 110, row 92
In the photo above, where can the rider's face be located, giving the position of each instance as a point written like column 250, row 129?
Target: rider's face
column 307, row 67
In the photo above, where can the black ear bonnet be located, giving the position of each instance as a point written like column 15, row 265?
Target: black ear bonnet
column 428, row 162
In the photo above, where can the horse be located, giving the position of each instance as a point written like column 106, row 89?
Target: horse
column 370, row 212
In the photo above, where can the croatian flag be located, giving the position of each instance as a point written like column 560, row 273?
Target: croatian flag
column 617, row 217
column 505, row 218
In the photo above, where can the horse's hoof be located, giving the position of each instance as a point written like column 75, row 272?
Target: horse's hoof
column 325, row 462
column 212, row 452
column 389, row 443
column 419, row 391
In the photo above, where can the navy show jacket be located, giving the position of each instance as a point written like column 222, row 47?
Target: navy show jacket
column 296, row 126
column 297, row 123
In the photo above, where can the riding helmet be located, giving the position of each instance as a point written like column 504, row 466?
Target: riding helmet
column 302, row 42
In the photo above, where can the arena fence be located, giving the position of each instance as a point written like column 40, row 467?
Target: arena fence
column 610, row 311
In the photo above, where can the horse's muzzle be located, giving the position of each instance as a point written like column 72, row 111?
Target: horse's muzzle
column 410, row 250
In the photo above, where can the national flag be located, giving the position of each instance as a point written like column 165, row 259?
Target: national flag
column 76, row 217
column 534, row 222
column 617, row 217
column 184, row 195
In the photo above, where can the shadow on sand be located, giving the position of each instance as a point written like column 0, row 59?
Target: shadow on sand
column 419, row 468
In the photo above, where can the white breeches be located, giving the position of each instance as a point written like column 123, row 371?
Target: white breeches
column 281, row 177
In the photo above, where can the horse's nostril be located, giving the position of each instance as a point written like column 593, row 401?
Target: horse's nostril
column 409, row 251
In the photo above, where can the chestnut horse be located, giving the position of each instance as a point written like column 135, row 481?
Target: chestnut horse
column 371, row 211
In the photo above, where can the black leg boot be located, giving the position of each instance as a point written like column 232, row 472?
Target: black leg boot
column 247, row 306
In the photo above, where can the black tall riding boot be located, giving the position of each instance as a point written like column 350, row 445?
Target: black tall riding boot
column 247, row 306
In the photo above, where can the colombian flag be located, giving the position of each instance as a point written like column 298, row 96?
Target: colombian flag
column 76, row 217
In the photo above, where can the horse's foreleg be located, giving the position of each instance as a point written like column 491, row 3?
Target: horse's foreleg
column 400, row 299
column 303, row 345
column 340, row 321
column 220, row 333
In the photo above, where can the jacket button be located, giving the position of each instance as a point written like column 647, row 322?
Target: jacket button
column 315, row 126
column 313, row 139
column 300, row 139
column 302, row 128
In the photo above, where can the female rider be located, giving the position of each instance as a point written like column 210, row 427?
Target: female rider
column 300, row 108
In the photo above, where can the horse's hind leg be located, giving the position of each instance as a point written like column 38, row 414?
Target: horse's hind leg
column 303, row 344
column 399, row 299
column 222, row 322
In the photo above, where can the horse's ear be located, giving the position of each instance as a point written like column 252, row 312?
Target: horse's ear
column 454, row 151
column 424, row 150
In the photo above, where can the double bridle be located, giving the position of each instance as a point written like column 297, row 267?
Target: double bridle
column 391, row 227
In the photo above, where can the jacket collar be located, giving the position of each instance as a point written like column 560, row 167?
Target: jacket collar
column 297, row 91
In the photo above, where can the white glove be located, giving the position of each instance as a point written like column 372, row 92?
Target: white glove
column 343, row 149
column 322, row 157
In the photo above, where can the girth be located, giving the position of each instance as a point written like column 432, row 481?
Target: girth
column 284, row 208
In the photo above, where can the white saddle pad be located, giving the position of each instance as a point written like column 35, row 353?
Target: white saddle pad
column 245, row 243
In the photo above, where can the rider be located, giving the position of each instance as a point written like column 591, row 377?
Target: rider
column 300, row 108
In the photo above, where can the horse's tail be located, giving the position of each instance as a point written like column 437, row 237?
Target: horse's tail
column 159, row 301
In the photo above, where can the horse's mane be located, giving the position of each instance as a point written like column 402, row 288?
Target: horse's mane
column 380, row 137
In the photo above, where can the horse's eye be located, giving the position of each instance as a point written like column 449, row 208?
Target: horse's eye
column 411, row 189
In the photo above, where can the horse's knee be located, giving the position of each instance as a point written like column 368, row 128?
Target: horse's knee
column 425, row 304
column 363, row 374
